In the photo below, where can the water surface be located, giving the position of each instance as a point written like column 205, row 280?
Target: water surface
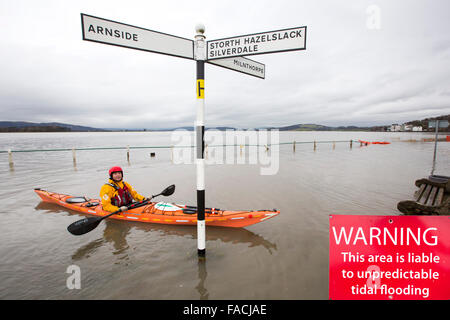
column 282, row 258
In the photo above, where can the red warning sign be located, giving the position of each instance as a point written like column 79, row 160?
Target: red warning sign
column 389, row 257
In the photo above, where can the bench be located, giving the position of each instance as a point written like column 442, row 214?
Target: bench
column 432, row 197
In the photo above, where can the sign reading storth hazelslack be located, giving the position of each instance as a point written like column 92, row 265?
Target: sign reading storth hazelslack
column 260, row 43
column 389, row 257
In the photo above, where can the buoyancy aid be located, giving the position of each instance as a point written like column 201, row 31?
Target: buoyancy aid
column 123, row 196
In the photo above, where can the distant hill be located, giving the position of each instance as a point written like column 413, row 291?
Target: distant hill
column 193, row 129
column 319, row 127
column 22, row 126
column 306, row 127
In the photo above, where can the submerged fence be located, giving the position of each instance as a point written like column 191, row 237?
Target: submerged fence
column 128, row 148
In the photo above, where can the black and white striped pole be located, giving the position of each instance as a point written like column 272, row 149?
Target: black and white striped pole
column 200, row 57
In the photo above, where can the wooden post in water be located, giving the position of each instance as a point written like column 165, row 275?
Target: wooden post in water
column 351, row 144
column 334, row 145
column 315, row 145
column 128, row 154
column 293, row 146
column 74, row 157
column 10, row 158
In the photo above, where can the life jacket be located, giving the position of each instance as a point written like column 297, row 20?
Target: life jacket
column 123, row 196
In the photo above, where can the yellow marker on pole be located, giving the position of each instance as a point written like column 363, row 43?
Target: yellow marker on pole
column 200, row 88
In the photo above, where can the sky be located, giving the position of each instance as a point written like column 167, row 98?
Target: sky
column 366, row 63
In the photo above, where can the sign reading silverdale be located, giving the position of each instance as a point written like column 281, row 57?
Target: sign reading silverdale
column 389, row 257
column 260, row 43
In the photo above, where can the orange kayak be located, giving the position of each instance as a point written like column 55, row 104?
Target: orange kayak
column 160, row 212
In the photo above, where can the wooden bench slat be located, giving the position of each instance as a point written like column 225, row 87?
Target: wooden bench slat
column 419, row 192
column 431, row 197
column 425, row 195
column 439, row 197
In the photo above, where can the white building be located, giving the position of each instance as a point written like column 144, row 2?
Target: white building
column 417, row 129
column 395, row 127
column 406, row 127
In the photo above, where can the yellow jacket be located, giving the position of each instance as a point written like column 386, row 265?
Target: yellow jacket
column 108, row 192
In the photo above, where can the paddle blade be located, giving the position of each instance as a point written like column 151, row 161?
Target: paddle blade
column 169, row 190
column 83, row 226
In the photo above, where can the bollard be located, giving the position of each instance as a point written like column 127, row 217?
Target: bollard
column 10, row 157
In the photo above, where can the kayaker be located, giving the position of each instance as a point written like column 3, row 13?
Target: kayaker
column 117, row 194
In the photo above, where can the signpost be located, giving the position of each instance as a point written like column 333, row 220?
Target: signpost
column 227, row 53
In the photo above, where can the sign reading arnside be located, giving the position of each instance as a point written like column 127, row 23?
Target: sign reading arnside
column 266, row 42
column 123, row 35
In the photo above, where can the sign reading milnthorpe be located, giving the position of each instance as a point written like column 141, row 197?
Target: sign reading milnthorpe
column 242, row 64
column 124, row 35
column 260, row 43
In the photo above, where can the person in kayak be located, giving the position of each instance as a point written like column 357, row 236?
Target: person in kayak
column 117, row 194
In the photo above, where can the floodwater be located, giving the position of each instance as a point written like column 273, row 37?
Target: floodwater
column 281, row 258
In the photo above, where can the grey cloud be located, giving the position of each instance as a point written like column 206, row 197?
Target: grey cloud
column 348, row 74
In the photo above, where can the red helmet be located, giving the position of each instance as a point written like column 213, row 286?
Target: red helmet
column 115, row 169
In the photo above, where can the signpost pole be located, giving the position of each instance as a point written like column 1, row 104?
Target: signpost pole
column 435, row 147
column 200, row 57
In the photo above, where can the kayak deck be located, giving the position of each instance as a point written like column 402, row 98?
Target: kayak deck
column 160, row 212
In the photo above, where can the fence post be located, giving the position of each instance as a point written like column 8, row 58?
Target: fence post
column 74, row 156
column 10, row 157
